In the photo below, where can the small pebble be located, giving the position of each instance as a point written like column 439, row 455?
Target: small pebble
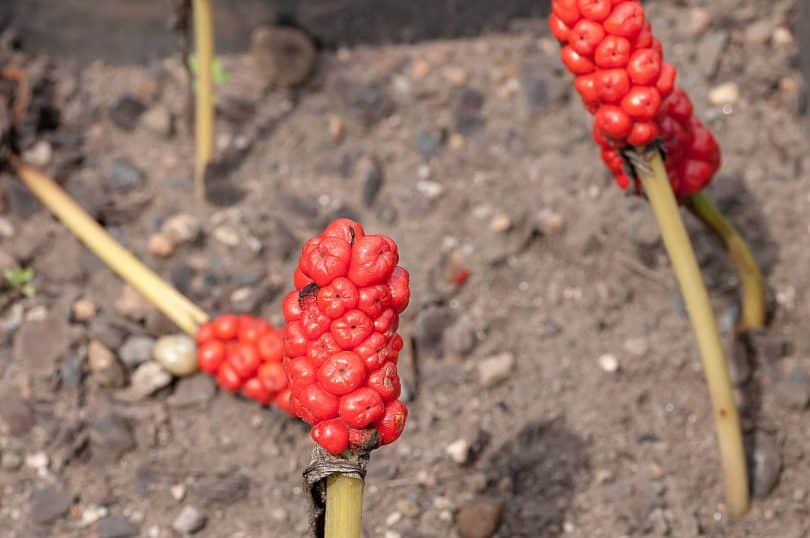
column 500, row 223
column 609, row 363
column 39, row 154
column 765, row 463
column 37, row 461
column 337, row 127
column 104, row 366
column 178, row 492
column 147, row 379
column 131, row 304
column 459, row 451
column 136, row 350
column 430, row 189
column 158, row 120
column 495, row 369
column 161, row 245
column 393, row 518
column 479, row 519
column 637, row 346
column 177, row 354
column 10, row 461
column 181, row 228
column 699, row 20
column 83, row 309
column 724, row 94
column 189, row 521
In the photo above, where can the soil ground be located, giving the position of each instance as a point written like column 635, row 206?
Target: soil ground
column 474, row 155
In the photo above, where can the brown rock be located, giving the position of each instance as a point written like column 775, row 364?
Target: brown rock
column 283, row 56
column 105, row 367
column 40, row 343
column 479, row 518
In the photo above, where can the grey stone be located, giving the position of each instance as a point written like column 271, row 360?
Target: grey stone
column 49, row 504
column 125, row 176
column 429, row 328
column 429, row 143
column 467, row 116
column 284, row 56
column 126, row 112
column 479, row 518
column 793, row 389
column 147, row 379
column 460, row 338
column 136, row 350
column 369, row 171
column 195, row 390
column 116, row 526
column 104, row 366
column 111, row 437
column 189, row 521
column 764, row 463
column 16, row 413
column 40, row 343
column 223, row 489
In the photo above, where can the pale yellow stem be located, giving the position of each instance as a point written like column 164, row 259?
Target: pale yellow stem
column 732, row 454
column 752, row 316
column 204, row 115
column 344, row 507
column 172, row 303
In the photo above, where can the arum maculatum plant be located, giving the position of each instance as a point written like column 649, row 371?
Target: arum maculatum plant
column 204, row 92
column 654, row 145
column 341, row 347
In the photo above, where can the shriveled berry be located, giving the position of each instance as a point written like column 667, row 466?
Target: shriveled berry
column 644, row 67
column 586, row 36
column 399, row 286
column 385, row 381
column 558, row 28
column 321, row 349
column 342, row 373
column 626, row 20
column 300, row 372
column 361, row 407
column 325, row 259
column 332, row 435
column 595, row 10
column 226, row 327
column 392, row 423
column 373, row 351
column 210, row 356
column 576, row 62
column 321, row 404
column 351, row 329
column 612, row 52
column 373, row 258
column 612, row 85
column 567, row 10
column 363, row 440
column 613, row 122
column 295, row 341
column 341, row 295
column 346, row 229
column 642, row 103
column 373, row 300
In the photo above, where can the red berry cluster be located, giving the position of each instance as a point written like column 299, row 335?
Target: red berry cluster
column 244, row 353
column 341, row 339
column 630, row 89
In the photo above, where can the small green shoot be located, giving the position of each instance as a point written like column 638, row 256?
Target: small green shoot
column 218, row 70
column 21, row 279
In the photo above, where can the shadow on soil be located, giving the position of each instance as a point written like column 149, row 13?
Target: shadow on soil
column 536, row 475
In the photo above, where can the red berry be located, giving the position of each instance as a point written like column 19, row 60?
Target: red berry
column 342, row 373
column 226, row 327
column 679, row 106
column 325, row 259
column 300, row 279
column 704, row 147
column 666, row 80
column 612, row 52
column 587, row 88
column 373, row 300
column 346, row 229
column 351, row 329
column 271, row 346
column 210, row 356
column 299, row 410
column 318, row 402
column 373, row 351
column 385, row 381
column 694, row 176
column 282, row 400
column 228, row 379
column 295, row 341
column 595, row 10
column 612, row 85
column 567, row 10
column 586, row 36
column 300, row 372
column 626, row 20
column 321, row 349
column 644, row 39
column 644, row 67
column 255, row 390
column 642, row 103
column 373, row 259
column 643, row 133
column 399, row 286
column 397, row 343
column 576, row 63
column 559, row 29
column 314, row 322
column 362, row 407
column 244, row 359
column 392, row 422
column 341, row 295
column 290, row 307
column 332, row 435
column 612, row 159
column 386, row 320
column 613, row 122
column 251, row 329
column 272, row 376
column 205, row 333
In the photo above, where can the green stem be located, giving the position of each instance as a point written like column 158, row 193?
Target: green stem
column 732, row 454
column 344, row 507
column 753, row 287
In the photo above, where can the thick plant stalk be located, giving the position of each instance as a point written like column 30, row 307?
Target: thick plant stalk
column 753, row 287
column 172, row 303
column 650, row 169
column 344, row 506
column 204, row 113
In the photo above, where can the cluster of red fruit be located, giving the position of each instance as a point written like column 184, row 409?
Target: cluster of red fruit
column 244, row 354
column 341, row 338
column 630, row 89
